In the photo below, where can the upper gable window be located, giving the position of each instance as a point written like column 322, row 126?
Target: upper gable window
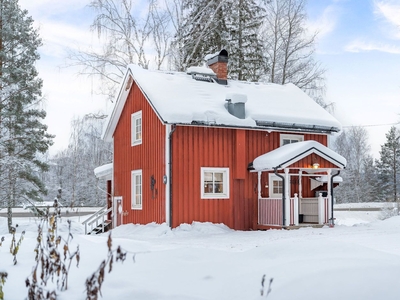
column 136, row 128
column 291, row 138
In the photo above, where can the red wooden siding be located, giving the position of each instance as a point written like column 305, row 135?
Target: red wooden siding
column 308, row 161
column 196, row 147
column 193, row 148
column 148, row 157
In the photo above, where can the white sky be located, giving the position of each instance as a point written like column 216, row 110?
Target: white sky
column 359, row 45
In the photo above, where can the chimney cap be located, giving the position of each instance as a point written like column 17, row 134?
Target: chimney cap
column 220, row 56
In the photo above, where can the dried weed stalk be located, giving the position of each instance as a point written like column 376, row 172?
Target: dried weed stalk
column 51, row 261
column 263, row 287
column 3, row 277
column 14, row 247
column 94, row 282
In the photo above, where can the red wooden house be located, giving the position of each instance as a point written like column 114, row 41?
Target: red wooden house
column 196, row 146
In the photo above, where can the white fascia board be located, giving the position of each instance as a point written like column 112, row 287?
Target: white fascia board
column 118, row 107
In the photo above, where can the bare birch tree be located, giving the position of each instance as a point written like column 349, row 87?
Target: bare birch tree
column 359, row 175
column 290, row 49
column 72, row 169
column 124, row 35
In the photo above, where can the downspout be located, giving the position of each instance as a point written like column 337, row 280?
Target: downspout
column 332, row 220
column 283, row 195
column 173, row 128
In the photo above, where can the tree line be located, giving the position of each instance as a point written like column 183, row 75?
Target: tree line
column 266, row 40
column 366, row 179
column 70, row 178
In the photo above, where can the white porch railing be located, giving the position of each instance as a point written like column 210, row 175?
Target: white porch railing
column 270, row 211
column 314, row 210
column 98, row 218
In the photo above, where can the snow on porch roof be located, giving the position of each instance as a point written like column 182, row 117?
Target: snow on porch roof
column 289, row 154
column 104, row 171
column 177, row 98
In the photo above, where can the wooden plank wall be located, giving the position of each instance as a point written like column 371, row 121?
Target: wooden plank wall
column 149, row 157
column 193, row 148
column 196, row 147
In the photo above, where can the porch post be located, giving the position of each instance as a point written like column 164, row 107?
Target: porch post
column 259, row 185
column 300, row 185
column 287, row 198
column 296, row 209
column 321, row 209
column 329, row 208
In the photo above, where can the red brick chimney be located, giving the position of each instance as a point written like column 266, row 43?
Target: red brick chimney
column 218, row 62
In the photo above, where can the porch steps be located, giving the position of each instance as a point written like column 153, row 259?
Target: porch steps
column 305, row 226
column 98, row 222
column 291, row 227
column 104, row 227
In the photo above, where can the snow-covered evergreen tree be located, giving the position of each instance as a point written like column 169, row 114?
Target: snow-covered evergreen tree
column 234, row 25
column 389, row 165
column 22, row 134
column 247, row 60
column 203, row 30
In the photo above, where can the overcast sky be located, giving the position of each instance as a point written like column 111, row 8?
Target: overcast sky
column 358, row 44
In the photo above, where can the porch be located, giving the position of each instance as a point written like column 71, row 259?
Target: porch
column 300, row 211
column 295, row 185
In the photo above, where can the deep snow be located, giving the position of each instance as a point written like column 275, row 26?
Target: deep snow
column 211, row 261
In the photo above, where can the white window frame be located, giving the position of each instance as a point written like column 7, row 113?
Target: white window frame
column 291, row 137
column 225, row 183
column 134, row 203
column 272, row 178
column 135, row 117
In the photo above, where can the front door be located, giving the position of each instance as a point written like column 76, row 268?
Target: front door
column 117, row 211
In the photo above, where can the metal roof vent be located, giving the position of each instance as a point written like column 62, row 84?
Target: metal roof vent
column 202, row 74
column 235, row 104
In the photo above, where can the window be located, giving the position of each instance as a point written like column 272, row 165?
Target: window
column 136, row 128
column 214, row 183
column 291, row 138
column 136, row 189
column 275, row 186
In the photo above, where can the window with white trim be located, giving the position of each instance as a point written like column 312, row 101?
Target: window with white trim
column 290, row 138
column 136, row 128
column 136, row 198
column 214, row 183
column 275, row 186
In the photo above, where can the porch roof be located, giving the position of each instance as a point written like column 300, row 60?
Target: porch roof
column 104, row 171
column 286, row 155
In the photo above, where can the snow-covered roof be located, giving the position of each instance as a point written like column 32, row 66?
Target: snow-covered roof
column 316, row 182
column 177, row 98
column 324, row 178
column 104, row 171
column 288, row 154
column 200, row 70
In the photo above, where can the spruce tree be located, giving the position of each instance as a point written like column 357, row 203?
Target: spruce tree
column 389, row 165
column 212, row 25
column 247, row 60
column 203, row 31
column 22, row 135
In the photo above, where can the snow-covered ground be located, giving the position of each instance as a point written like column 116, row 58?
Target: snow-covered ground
column 210, row 261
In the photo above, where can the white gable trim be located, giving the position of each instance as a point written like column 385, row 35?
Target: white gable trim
column 284, row 156
column 124, row 89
